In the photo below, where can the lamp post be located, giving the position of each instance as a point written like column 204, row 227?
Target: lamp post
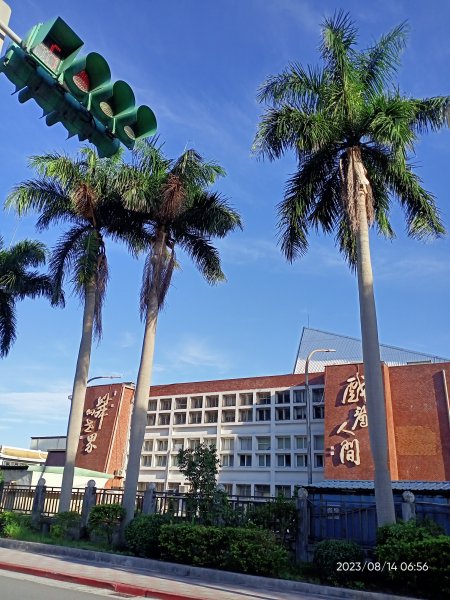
column 99, row 377
column 103, row 377
column 308, row 411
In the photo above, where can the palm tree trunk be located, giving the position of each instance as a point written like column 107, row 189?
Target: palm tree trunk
column 139, row 416
column 376, row 409
column 78, row 398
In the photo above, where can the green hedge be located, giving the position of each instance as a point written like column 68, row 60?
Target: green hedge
column 327, row 555
column 232, row 549
column 142, row 535
column 104, row 519
column 421, row 559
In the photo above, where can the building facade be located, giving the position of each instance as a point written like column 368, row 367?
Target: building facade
column 268, row 436
column 258, row 426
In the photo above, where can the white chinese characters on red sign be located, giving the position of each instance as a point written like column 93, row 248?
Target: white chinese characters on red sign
column 354, row 393
column 94, row 420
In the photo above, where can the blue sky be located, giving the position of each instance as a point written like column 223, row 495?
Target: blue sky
column 198, row 64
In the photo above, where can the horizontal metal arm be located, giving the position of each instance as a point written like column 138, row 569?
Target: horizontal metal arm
column 10, row 33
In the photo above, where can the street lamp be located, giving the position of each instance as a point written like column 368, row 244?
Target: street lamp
column 99, row 377
column 104, row 377
column 308, row 411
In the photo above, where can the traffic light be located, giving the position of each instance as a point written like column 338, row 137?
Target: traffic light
column 76, row 91
column 135, row 124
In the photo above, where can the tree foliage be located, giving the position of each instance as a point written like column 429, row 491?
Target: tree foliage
column 200, row 466
column 348, row 106
column 20, row 280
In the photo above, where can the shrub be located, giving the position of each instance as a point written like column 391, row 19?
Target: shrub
column 279, row 516
column 105, row 518
column 408, row 545
column 11, row 524
column 330, row 552
column 410, row 531
column 233, row 549
column 63, row 524
column 142, row 535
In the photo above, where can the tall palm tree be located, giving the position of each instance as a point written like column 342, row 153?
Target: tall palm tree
column 18, row 282
column 352, row 132
column 78, row 191
column 174, row 201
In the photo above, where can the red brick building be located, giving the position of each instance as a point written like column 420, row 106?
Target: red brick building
column 417, row 408
column 259, row 426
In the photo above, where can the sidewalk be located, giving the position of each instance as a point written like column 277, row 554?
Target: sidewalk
column 154, row 579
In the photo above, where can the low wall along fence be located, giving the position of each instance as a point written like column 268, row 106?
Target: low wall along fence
column 315, row 519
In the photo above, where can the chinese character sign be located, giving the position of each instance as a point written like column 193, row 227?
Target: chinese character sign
column 354, row 396
column 355, row 390
column 93, row 422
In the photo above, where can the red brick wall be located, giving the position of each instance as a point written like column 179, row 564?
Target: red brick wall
column 417, row 424
column 421, row 421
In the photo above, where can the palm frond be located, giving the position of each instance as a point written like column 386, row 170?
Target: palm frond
column 390, row 122
column 42, row 195
column 298, row 208
column 288, row 128
column 430, row 114
column 205, row 256
column 193, row 171
column 297, row 86
column 156, row 279
column 64, row 256
column 7, row 323
column 379, row 63
column 208, row 214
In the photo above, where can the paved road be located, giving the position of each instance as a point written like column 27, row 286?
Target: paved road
column 15, row 586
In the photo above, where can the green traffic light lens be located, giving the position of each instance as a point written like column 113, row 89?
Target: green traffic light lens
column 107, row 109
column 130, row 132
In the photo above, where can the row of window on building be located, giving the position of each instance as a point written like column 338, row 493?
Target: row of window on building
column 238, row 489
column 245, row 451
column 297, row 413
column 230, row 400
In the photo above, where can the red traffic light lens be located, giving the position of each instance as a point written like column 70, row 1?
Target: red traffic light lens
column 82, row 81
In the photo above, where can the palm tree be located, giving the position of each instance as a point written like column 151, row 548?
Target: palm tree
column 174, row 201
column 17, row 282
column 79, row 192
column 352, row 132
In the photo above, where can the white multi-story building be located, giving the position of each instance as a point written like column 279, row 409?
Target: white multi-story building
column 258, row 426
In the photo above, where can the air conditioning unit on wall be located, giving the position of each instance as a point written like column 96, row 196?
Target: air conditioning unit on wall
column 118, row 473
column 183, row 489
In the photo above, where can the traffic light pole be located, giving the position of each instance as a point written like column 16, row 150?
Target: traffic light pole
column 5, row 30
column 5, row 13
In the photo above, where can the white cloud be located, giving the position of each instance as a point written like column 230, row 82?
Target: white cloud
column 303, row 12
column 196, row 352
column 243, row 252
column 34, row 406
column 127, row 340
column 414, row 268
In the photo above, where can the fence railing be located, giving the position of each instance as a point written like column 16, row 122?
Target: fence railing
column 311, row 520
column 439, row 513
column 342, row 520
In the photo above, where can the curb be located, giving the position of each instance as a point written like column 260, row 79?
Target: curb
column 189, row 573
column 123, row 588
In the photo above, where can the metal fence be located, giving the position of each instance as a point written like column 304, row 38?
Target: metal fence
column 350, row 520
column 356, row 521
column 20, row 499
column 434, row 511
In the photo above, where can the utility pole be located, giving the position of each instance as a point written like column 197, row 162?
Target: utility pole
column 5, row 14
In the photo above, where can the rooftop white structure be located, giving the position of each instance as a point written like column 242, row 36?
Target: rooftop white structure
column 349, row 350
